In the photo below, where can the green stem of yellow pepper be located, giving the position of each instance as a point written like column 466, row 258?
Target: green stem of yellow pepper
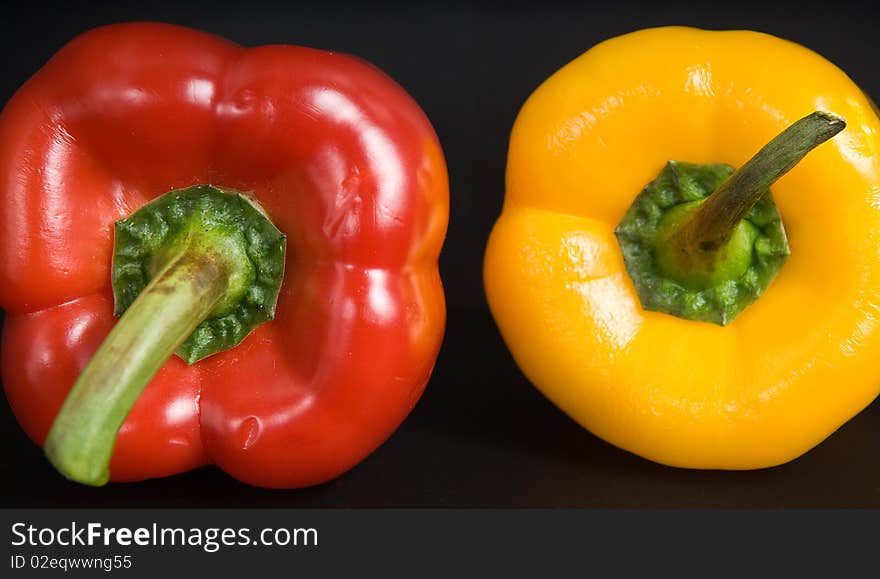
column 703, row 241
column 711, row 225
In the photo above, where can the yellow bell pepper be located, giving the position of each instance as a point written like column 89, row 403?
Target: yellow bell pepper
column 793, row 365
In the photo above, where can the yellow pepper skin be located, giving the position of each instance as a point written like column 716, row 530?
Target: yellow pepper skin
column 798, row 362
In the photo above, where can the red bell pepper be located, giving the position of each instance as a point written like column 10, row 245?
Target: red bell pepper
column 344, row 164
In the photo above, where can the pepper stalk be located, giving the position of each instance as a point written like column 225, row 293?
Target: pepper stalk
column 703, row 241
column 194, row 271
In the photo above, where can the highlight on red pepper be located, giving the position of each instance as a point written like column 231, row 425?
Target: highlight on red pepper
column 272, row 215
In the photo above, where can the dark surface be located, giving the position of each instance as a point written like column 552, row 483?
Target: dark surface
column 481, row 436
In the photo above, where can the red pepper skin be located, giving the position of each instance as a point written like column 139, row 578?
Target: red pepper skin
column 346, row 165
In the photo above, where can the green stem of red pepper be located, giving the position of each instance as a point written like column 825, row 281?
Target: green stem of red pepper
column 80, row 443
column 194, row 272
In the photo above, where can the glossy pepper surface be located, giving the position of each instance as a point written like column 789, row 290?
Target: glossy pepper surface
column 796, row 363
column 341, row 159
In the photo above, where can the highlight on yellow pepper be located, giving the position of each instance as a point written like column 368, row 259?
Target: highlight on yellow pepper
column 648, row 284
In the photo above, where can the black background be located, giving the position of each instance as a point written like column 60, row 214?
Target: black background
column 481, row 436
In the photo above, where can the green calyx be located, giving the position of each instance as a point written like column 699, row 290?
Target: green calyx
column 703, row 241
column 218, row 224
column 193, row 272
column 714, row 287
